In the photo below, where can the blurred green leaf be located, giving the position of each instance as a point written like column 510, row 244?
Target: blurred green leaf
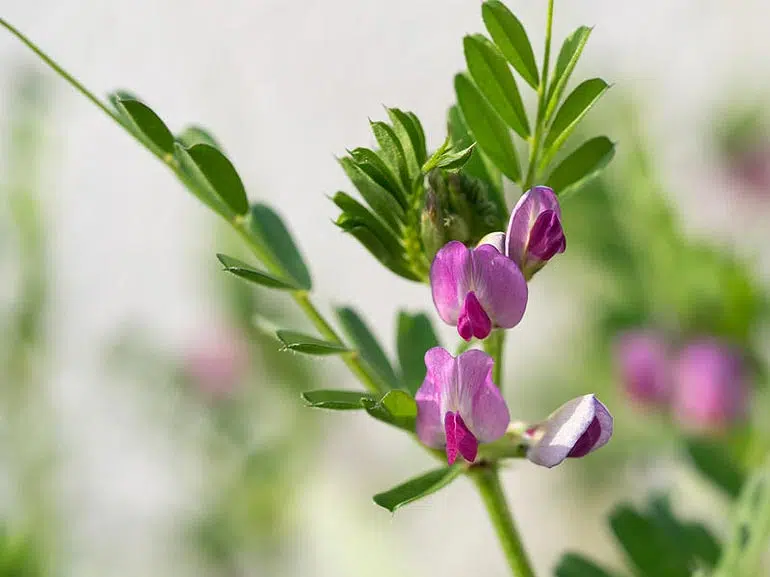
column 245, row 271
column 649, row 549
column 581, row 165
column 143, row 121
column 367, row 346
column 382, row 202
column 269, row 230
column 568, row 57
column 576, row 565
column 490, row 72
column 415, row 335
column 695, row 543
column 702, row 543
column 20, row 555
column 409, row 131
column 478, row 165
column 417, row 488
column 193, row 135
column 302, row 343
column 509, row 35
column 337, row 400
column 221, row 175
column 487, row 127
column 574, row 109
column 396, row 408
column 747, row 541
column 391, row 149
column 714, row 462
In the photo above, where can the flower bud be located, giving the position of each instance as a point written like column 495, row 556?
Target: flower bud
column 458, row 206
column 643, row 366
column 711, row 386
column 534, row 232
column 432, row 229
column 574, row 430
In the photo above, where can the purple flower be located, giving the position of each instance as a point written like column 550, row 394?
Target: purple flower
column 534, row 233
column 458, row 405
column 477, row 289
column 711, row 386
column 642, row 358
column 575, row 429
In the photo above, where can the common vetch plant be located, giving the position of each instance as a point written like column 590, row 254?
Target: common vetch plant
column 438, row 217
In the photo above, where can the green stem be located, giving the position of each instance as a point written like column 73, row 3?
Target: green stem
column 58, row 69
column 494, row 345
column 352, row 361
column 239, row 224
column 542, row 91
column 487, row 481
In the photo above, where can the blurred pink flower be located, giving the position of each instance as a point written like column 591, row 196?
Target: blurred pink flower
column 711, row 386
column 643, row 364
column 218, row 362
column 751, row 168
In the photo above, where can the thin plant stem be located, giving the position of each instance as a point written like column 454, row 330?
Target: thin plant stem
column 58, row 69
column 302, row 299
column 487, row 481
column 542, row 91
column 494, row 345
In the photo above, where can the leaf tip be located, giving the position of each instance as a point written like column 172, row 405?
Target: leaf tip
column 223, row 260
column 378, row 500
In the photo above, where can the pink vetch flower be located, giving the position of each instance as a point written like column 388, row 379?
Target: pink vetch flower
column 711, row 386
column 750, row 167
column 534, row 232
column 217, row 363
column 642, row 359
column 477, row 289
column 458, row 405
column 574, row 430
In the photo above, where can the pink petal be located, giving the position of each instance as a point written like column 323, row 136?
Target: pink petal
column 461, row 385
column 459, row 439
column 712, row 386
column 450, row 280
column 525, row 213
column 499, row 286
column 431, row 397
column 642, row 359
column 546, row 237
column 477, row 399
column 473, row 321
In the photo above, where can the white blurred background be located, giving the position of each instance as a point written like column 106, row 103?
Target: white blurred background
column 286, row 87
